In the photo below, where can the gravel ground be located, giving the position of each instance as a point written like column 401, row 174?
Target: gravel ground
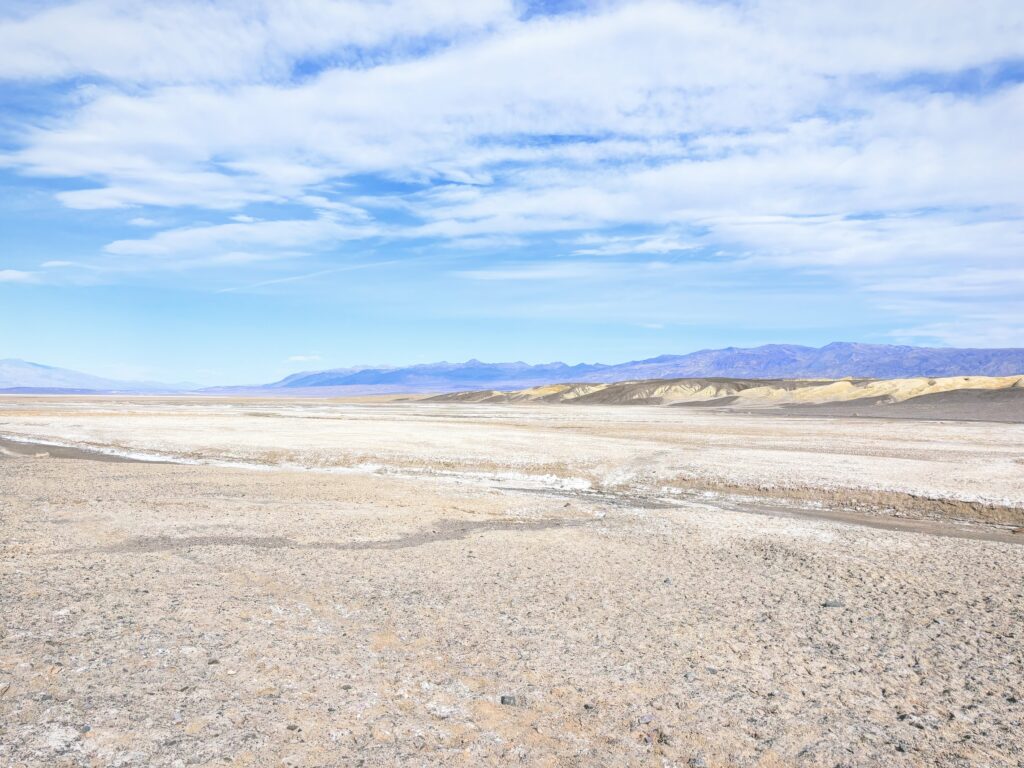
column 167, row 614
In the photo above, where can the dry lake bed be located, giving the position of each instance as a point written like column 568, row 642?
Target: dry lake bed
column 239, row 582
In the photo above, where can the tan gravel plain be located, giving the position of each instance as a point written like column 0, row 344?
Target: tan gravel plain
column 411, row 584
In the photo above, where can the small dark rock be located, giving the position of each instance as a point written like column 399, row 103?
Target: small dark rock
column 293, row 727
column 697, row 761
column 508, row 701
column 833, row 604
column 85, row 729
column 213, row 661
column 588, row 707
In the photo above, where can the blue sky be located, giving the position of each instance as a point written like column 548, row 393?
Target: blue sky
column 229, row 192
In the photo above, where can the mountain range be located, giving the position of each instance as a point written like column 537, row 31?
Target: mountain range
column 773, row 361
column 25, row 377
column 832, row 361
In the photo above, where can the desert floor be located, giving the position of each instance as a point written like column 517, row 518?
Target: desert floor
column 312, row 583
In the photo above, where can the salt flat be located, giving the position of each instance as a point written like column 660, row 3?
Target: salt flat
column 961, row 469
column 324, row 583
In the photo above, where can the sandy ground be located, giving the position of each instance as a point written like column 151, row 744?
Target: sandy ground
column 450, row 585
column 964, row 405
column 953, row 398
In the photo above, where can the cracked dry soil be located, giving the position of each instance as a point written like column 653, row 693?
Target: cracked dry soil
column 183, row 615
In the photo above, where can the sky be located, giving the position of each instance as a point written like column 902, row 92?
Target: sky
column 228, row 192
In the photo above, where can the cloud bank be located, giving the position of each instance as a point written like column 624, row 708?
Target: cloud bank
column 876, row 143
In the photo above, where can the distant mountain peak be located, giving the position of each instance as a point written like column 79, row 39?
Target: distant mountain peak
column 24, row 375
column 836, row 360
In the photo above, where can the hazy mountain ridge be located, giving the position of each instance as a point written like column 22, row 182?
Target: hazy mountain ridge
column 443, row 375
column 832, row 361
column 772, row 361
column 23, row 377
column 776, row 361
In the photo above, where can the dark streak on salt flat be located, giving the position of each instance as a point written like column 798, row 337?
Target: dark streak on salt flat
column 21, row 448
column 946, row 528
column 441, row 531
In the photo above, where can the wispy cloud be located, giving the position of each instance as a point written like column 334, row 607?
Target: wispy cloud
column 17, row 276
column 565, row 270
column 834, row 139
column 540, row 271
column 614, row 246
column 307, row 276
column 278, row 281
column 182, row 41
column 247, row 236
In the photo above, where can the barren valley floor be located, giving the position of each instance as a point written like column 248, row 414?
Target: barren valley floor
column 314, row 584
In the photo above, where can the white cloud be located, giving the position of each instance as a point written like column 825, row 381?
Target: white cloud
column 17, row 276
column 605, row 246
column 809, row 138
column 306, row 276
column 562, row 270
column 967, row 283
column 142, row 221
column 906, row 158
column 978, row 328
column 635, row 78
column 240, row 238
column 544, row 271
column 187, row 41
